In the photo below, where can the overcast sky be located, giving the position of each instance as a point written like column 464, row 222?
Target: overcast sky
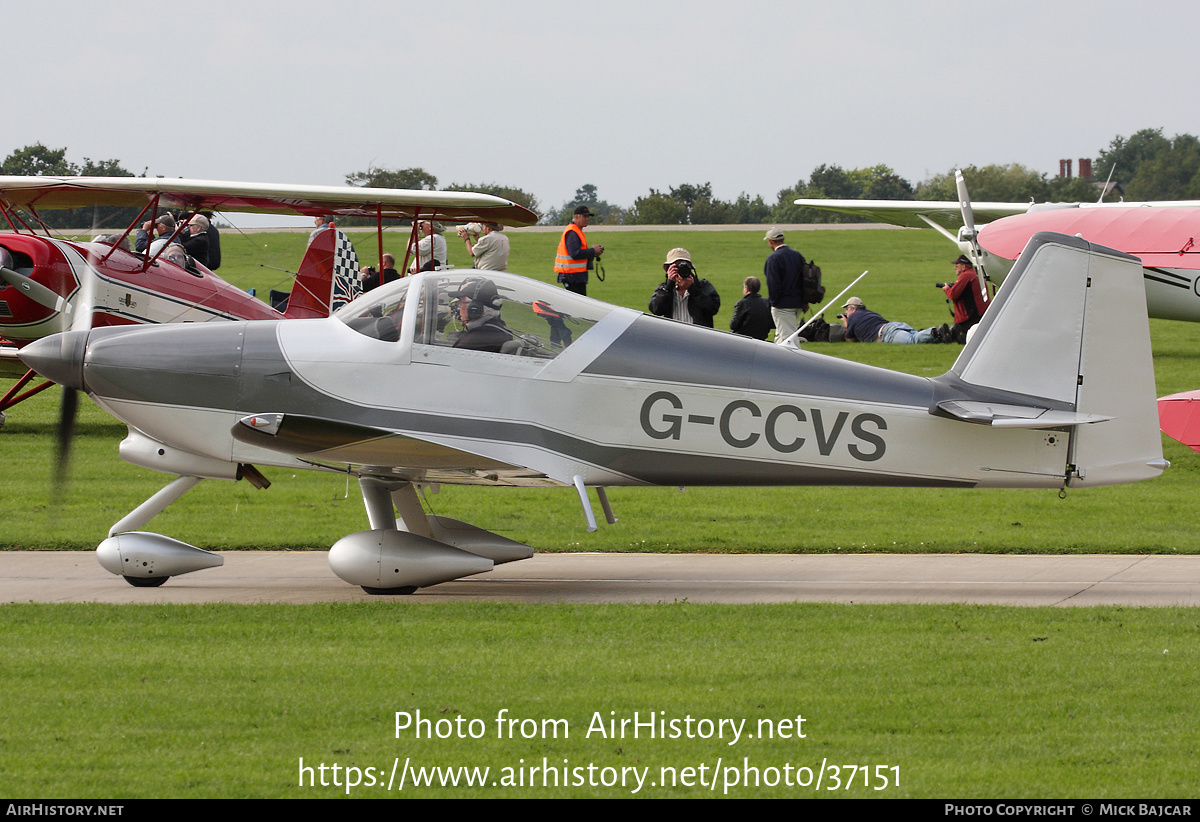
column 625, row 95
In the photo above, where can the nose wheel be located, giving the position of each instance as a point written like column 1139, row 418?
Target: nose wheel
column 145, row 582
column 404, row 590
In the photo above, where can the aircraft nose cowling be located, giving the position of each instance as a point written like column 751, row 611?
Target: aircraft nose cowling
column 58, row 358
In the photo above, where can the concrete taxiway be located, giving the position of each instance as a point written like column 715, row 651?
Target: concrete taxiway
column 303, row 577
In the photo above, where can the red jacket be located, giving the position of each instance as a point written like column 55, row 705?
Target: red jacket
column 967, row 296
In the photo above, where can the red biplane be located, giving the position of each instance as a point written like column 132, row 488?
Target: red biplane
column 49, row 285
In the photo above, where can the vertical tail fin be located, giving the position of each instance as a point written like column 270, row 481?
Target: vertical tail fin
column 1069, row 329
column 328, row 277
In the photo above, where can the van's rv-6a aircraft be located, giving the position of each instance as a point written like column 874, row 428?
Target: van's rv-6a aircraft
column 49, row 285
column 1164, row 235
column 542, row 387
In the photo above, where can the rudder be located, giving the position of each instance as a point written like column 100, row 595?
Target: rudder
column 1070, row 327
column 328, row 277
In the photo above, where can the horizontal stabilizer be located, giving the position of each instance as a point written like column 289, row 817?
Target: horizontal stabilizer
column 1000, row 415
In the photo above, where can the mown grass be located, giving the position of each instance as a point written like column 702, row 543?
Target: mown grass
column 108, row 701
column 311, row 511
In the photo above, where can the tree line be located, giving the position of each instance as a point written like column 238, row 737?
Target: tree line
column 1145, row 166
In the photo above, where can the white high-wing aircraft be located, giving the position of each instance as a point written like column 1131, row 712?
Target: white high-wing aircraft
column 493, row 379
column 1161, row 234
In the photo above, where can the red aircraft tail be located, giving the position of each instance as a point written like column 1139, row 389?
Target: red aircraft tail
column 328, row 277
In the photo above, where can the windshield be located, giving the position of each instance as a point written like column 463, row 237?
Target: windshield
column 379, row 313
column 505, row 314
column 480, row 311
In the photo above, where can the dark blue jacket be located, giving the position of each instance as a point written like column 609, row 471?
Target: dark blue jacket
column 784, row 273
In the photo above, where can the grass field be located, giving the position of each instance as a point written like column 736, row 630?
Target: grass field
column 183, row 701
column 965, row 701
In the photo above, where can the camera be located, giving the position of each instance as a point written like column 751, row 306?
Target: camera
column 685, row 269
column 941, row 285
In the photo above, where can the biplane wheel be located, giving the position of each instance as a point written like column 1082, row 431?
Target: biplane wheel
column 403, row 590
column 145, row 582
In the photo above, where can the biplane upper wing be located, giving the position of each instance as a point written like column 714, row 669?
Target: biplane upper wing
column 265, row 198
column 908, row 213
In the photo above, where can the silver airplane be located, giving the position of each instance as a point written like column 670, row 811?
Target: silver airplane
column 485, row 378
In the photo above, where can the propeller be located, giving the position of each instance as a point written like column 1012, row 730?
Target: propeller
column 970, row 235
column 964, row 204
column 40, row 294
column 81, row 320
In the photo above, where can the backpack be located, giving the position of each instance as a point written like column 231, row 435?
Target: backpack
column 810, row 278
column 817, row 331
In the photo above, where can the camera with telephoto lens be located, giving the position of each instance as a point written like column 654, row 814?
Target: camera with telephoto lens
column 941, row 285
column 685, row 269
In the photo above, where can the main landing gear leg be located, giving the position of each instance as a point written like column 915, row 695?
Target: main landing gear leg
column 587, row 505
column 398, row 557
column 148, row 560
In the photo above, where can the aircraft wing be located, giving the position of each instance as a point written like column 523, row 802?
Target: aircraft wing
column 1163, row 235
column 10, row 365
column 908, row 213
column 381, row 452
column 263, row 198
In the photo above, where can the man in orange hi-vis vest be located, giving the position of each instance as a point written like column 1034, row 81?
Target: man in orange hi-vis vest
column 574, row 258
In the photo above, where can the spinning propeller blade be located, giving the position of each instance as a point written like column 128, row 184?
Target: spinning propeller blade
column 81, row 320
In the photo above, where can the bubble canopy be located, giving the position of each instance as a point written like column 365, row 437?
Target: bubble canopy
column 483, row 310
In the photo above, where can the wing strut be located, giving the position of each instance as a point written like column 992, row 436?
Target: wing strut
column 133, row 225
column 12, row 397
column 379, row 236
column 9, row 213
